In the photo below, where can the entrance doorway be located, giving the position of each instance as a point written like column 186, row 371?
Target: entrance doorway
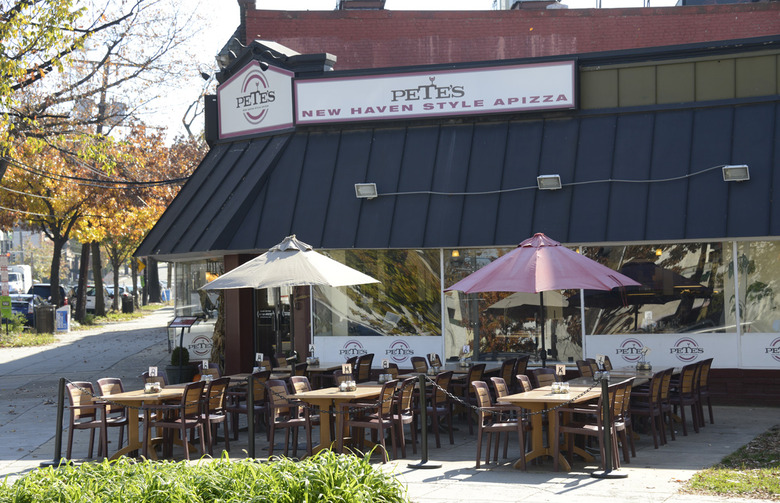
column 274, row 335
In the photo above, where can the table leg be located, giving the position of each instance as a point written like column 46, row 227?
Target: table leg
column 133, row 441
column 537, row 437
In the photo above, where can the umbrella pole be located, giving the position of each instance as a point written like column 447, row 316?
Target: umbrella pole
column 543, row 353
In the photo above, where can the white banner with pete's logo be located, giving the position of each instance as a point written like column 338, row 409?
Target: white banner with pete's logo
column 437, row 93
column 398, row 350
column 728, row 350
column 253, row 101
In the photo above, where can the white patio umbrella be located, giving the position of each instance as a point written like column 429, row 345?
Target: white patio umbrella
column 290, row 263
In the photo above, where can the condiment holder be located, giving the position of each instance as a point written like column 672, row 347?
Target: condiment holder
column 383, row 378
column 644, row 366
column 560, row 388
column 314, row 361
column 151, row 387
column 348, row 386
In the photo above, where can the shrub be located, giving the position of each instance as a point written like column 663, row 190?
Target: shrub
column 180, row 355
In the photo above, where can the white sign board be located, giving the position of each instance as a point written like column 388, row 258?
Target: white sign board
column 253, row 101
column 397, row 350
column 437, row 93
column 667, row 350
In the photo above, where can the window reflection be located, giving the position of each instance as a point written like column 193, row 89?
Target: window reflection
column 758, row 266
column 682, row 290
column 405, row 302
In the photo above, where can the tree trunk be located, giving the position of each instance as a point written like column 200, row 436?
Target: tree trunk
column 54, row 280
column 81, row 289
column 134, row 269
column 153, row 285
column 100, row 302
column 115, row 264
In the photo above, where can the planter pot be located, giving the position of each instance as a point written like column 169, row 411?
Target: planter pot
column 176, row 375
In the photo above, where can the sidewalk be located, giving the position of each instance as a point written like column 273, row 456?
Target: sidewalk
column 28, row 384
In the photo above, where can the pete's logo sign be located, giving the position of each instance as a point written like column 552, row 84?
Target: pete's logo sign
column 200, row 346
column 399, row 351
column 352, row 348
column 686, row 349
column 428, row 92
column 774, row 349
column 630, row 350
column 255, row 97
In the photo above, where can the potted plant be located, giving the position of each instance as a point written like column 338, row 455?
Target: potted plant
column 180, row 370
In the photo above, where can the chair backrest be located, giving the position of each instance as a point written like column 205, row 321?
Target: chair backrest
column 440, row 396
column 482, row 396
column 524, row 383
column 215, row 394
column 340, row 377
column 300, row 369
column 476, row 372
column 522, row 364
column 419, row 364
column 364, row 363
column 404, row 396
column 192, row 398
column 704, row 374
column 159, row 379
column 584, row 368
column 655, row 385
column 387, row 398
column 110, row 386
column 434, row 360
column 689, row 379
column 594, row 365
column 212, row 370
column 279, row 360
column 542, row 377
column 300, row 384
column 607, row 363
column 507, row 371
column 622, row 399
column 666, row 382
column 267, row 363
column 500, row 387
column 80, row 395
column 392, row 369
column 277, row 392
column 258, row 385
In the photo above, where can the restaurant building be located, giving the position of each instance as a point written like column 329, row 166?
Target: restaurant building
column 654, row 154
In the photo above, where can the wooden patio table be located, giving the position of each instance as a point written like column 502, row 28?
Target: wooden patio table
column 540, row 399
column 145, row 401
column 326, row 398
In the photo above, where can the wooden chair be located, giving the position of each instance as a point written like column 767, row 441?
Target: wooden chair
column 584, row 368
column 647, row 403
column 434, row 360
column 520, row 369
column 377, row 416
column 589, row 423
column 594, row 365
column 116, row 415
column 666, row 405
column 237, row 402
column 159, row 379
column 300, row 369
column 507, row 372
column 85, row 414
column 184, row 416
column 684, row 393
column 607, row 363
column 492, row 420
column 299, row 384
column 403, row 413
column 392, row 369
column 215, row 412
column 419, row 364
column 704, row 389
column 623, row 421
column 212, row 370
column 542, row 377
column 438, row 406
column 523, row 383
column 287, row 414
column 363, row 371
column 464, row 390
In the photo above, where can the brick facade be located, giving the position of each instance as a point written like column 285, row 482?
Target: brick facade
column 376, row 39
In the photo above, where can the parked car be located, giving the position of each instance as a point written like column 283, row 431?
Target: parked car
column 43, row 290
column 123, row 291
column 24, row 304
column 91, row 297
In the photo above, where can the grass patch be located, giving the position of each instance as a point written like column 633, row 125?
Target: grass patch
column 21, row 339
column 751, row 471
column 324, row 477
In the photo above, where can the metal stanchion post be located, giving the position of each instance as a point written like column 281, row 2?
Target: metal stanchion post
column 424, row 463
column 608, row 472
column 58, row 430
column 250, row 416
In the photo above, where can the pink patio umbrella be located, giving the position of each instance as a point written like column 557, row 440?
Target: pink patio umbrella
column 540, row 264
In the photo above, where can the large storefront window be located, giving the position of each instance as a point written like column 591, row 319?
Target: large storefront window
column 405, row 302
column 500, row 324
column 189, row 300
column 683, row 290
column 758, row 265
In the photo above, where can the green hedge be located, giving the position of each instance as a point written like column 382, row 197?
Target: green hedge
column 325, row 477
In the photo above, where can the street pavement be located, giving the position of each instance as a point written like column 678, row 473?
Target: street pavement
column 28, row 393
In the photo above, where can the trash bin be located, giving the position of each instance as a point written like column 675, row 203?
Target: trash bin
column 127, row 304
column 44, row 318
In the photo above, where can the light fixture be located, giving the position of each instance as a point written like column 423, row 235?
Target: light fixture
column 455, row 254
column 365, row 190
column 548, row 182
column 736, row 173
column 658, row 252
